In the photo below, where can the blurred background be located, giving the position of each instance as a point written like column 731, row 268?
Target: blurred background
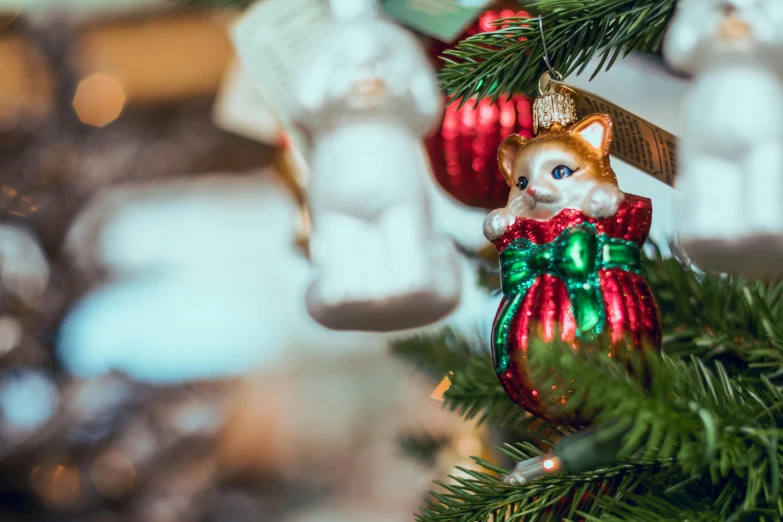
column 138, row 213
column 146, row 205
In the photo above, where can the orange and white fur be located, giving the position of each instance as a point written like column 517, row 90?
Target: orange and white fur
column 557, row 169
column 731, row 147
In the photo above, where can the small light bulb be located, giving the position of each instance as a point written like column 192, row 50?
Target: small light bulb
column 532, row 469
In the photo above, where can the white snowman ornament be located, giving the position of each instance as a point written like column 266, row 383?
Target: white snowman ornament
column 366, row 97
column 731, row 149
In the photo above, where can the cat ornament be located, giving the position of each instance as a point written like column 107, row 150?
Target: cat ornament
column 570, row 254
column 731, row 133
column 366, row 98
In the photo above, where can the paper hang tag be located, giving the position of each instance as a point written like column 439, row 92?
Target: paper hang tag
column 636, row 141
column 445, row 20
column 240, row 108
column 271, row 39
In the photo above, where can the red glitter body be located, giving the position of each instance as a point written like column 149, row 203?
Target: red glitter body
column 632, row 316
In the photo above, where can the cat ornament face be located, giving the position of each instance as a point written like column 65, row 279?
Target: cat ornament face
column 563, row 167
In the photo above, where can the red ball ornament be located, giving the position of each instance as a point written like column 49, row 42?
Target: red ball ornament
column 463, row 152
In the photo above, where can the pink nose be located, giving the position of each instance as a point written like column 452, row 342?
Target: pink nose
column 531, row 191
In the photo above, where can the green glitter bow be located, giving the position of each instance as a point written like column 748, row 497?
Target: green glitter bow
column 574, row 257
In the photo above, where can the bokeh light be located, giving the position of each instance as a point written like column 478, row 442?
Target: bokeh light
column 113, row 475
column 99, row 99
column 10, row 334
column 468, row 444
column 28, row 399
column 57, row 482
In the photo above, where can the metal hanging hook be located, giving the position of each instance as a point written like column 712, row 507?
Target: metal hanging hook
column 553, row 73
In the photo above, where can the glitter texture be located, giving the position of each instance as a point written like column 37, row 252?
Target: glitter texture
column 463, row 152
column 577, row 277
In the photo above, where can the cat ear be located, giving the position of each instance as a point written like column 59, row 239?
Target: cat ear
column 507, row 154
column 596, row 130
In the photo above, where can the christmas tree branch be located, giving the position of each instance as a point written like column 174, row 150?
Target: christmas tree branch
column 511, row 60
column 719, row 318
column 705, row 435
column 476, row 392
column 708, row 421
column 436, row 354
column 657, row 505
column 480, row 496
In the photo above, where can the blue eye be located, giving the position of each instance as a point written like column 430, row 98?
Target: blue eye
column 562, row 172
column 522, row 183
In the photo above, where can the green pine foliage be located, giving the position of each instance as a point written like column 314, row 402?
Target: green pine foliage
column 576, row 31
column 475, row 391
column 436, row 354
column 700, row 442
column 717, row 318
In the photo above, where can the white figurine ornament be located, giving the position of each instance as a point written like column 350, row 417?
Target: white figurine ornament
column 366, row 98
column 731, row 148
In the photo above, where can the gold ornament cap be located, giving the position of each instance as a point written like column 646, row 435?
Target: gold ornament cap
column 553, row 109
